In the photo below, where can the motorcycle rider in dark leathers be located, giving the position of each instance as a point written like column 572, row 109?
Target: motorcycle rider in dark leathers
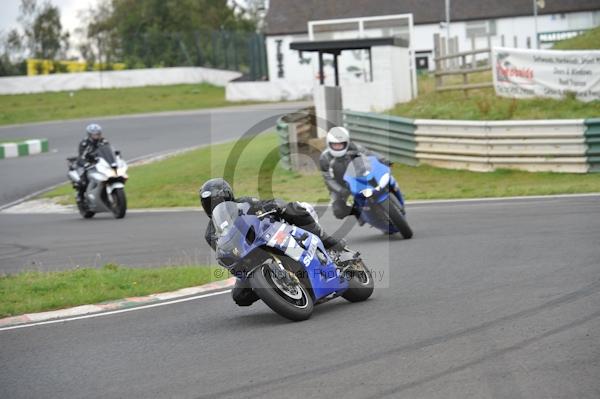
column 86, row 152
column 333, row 163
column 217, row 190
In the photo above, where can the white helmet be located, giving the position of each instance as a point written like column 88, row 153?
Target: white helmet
column 338, row 140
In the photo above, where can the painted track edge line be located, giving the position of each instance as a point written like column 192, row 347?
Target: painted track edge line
column 112, row 312
column 490, row 199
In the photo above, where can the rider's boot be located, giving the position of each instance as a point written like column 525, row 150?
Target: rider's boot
column 242, row 294
column 356, row 212
column 79, row 195
column 333, row 244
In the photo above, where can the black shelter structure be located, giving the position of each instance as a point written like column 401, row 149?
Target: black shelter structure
column 329, row 99
column 335, row 48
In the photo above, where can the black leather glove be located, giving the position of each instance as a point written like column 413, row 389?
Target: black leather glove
column 274, row 207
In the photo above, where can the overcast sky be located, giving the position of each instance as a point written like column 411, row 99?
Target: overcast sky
column 9, row 11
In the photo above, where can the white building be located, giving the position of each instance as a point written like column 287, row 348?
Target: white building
column 287, row 22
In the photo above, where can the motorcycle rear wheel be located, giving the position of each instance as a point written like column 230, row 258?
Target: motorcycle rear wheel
column 294, row 304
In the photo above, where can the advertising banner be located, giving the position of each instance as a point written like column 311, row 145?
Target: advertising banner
column 524, row 73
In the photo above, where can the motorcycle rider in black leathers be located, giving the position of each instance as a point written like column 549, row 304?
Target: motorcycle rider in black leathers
column 86, row 152
column 215, row 191
column 333, row 163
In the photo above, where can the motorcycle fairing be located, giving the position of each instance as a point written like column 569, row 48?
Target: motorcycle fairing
column 367, row 206
column 294, row 242
column 308, row 250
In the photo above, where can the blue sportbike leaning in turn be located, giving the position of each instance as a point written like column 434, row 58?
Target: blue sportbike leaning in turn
column 377, row 197
column 287, row 267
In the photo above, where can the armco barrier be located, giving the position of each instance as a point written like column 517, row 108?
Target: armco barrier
column 23, row 148
column 555, row 145
column 390, row 135
column 592, row 140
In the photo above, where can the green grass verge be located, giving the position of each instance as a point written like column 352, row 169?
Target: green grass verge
column 589, row 40
column 485, row 105
column 30, row 292
column 175, row 181
column 23, row 108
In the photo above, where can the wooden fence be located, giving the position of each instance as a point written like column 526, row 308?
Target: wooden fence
column 450, row 61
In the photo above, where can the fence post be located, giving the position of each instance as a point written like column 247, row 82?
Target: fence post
column 436, row 54
column 214, row 49
column 264, row 71
column 198, row 44
column 236, row 59
column 455, row 50
column 465, row 78
column 225, row 41
column 444, row 52
column 474, row 57
column 252, row 59
column 489, row 47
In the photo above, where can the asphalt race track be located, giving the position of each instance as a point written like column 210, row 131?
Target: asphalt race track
column 491, row 299
column 135, row 136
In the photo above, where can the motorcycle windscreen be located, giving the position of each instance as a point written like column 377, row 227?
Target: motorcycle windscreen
column 359, row 167
column 358, row 174
column 223, row 217
column 230, row 237
column 107, row 153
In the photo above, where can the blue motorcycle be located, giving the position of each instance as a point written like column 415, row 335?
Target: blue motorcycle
column 377, row 196
column 286, row 266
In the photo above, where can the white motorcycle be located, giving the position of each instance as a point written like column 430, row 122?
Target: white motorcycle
column 106, row 177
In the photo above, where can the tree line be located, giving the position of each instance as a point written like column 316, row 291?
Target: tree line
column 140, row 34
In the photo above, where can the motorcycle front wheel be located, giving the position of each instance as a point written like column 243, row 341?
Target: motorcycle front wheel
column 119, row 203
column 360, row 284
column 291, row 301
column 394, row 210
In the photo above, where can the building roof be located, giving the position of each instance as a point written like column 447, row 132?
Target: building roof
column 292, row 16
column 335, row 46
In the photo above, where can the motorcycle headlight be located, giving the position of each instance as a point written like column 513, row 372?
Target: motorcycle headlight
column 367, row 192
column 105, row 170
column 384, row 181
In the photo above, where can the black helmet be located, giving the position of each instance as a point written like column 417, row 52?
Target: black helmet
column 213, row 192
